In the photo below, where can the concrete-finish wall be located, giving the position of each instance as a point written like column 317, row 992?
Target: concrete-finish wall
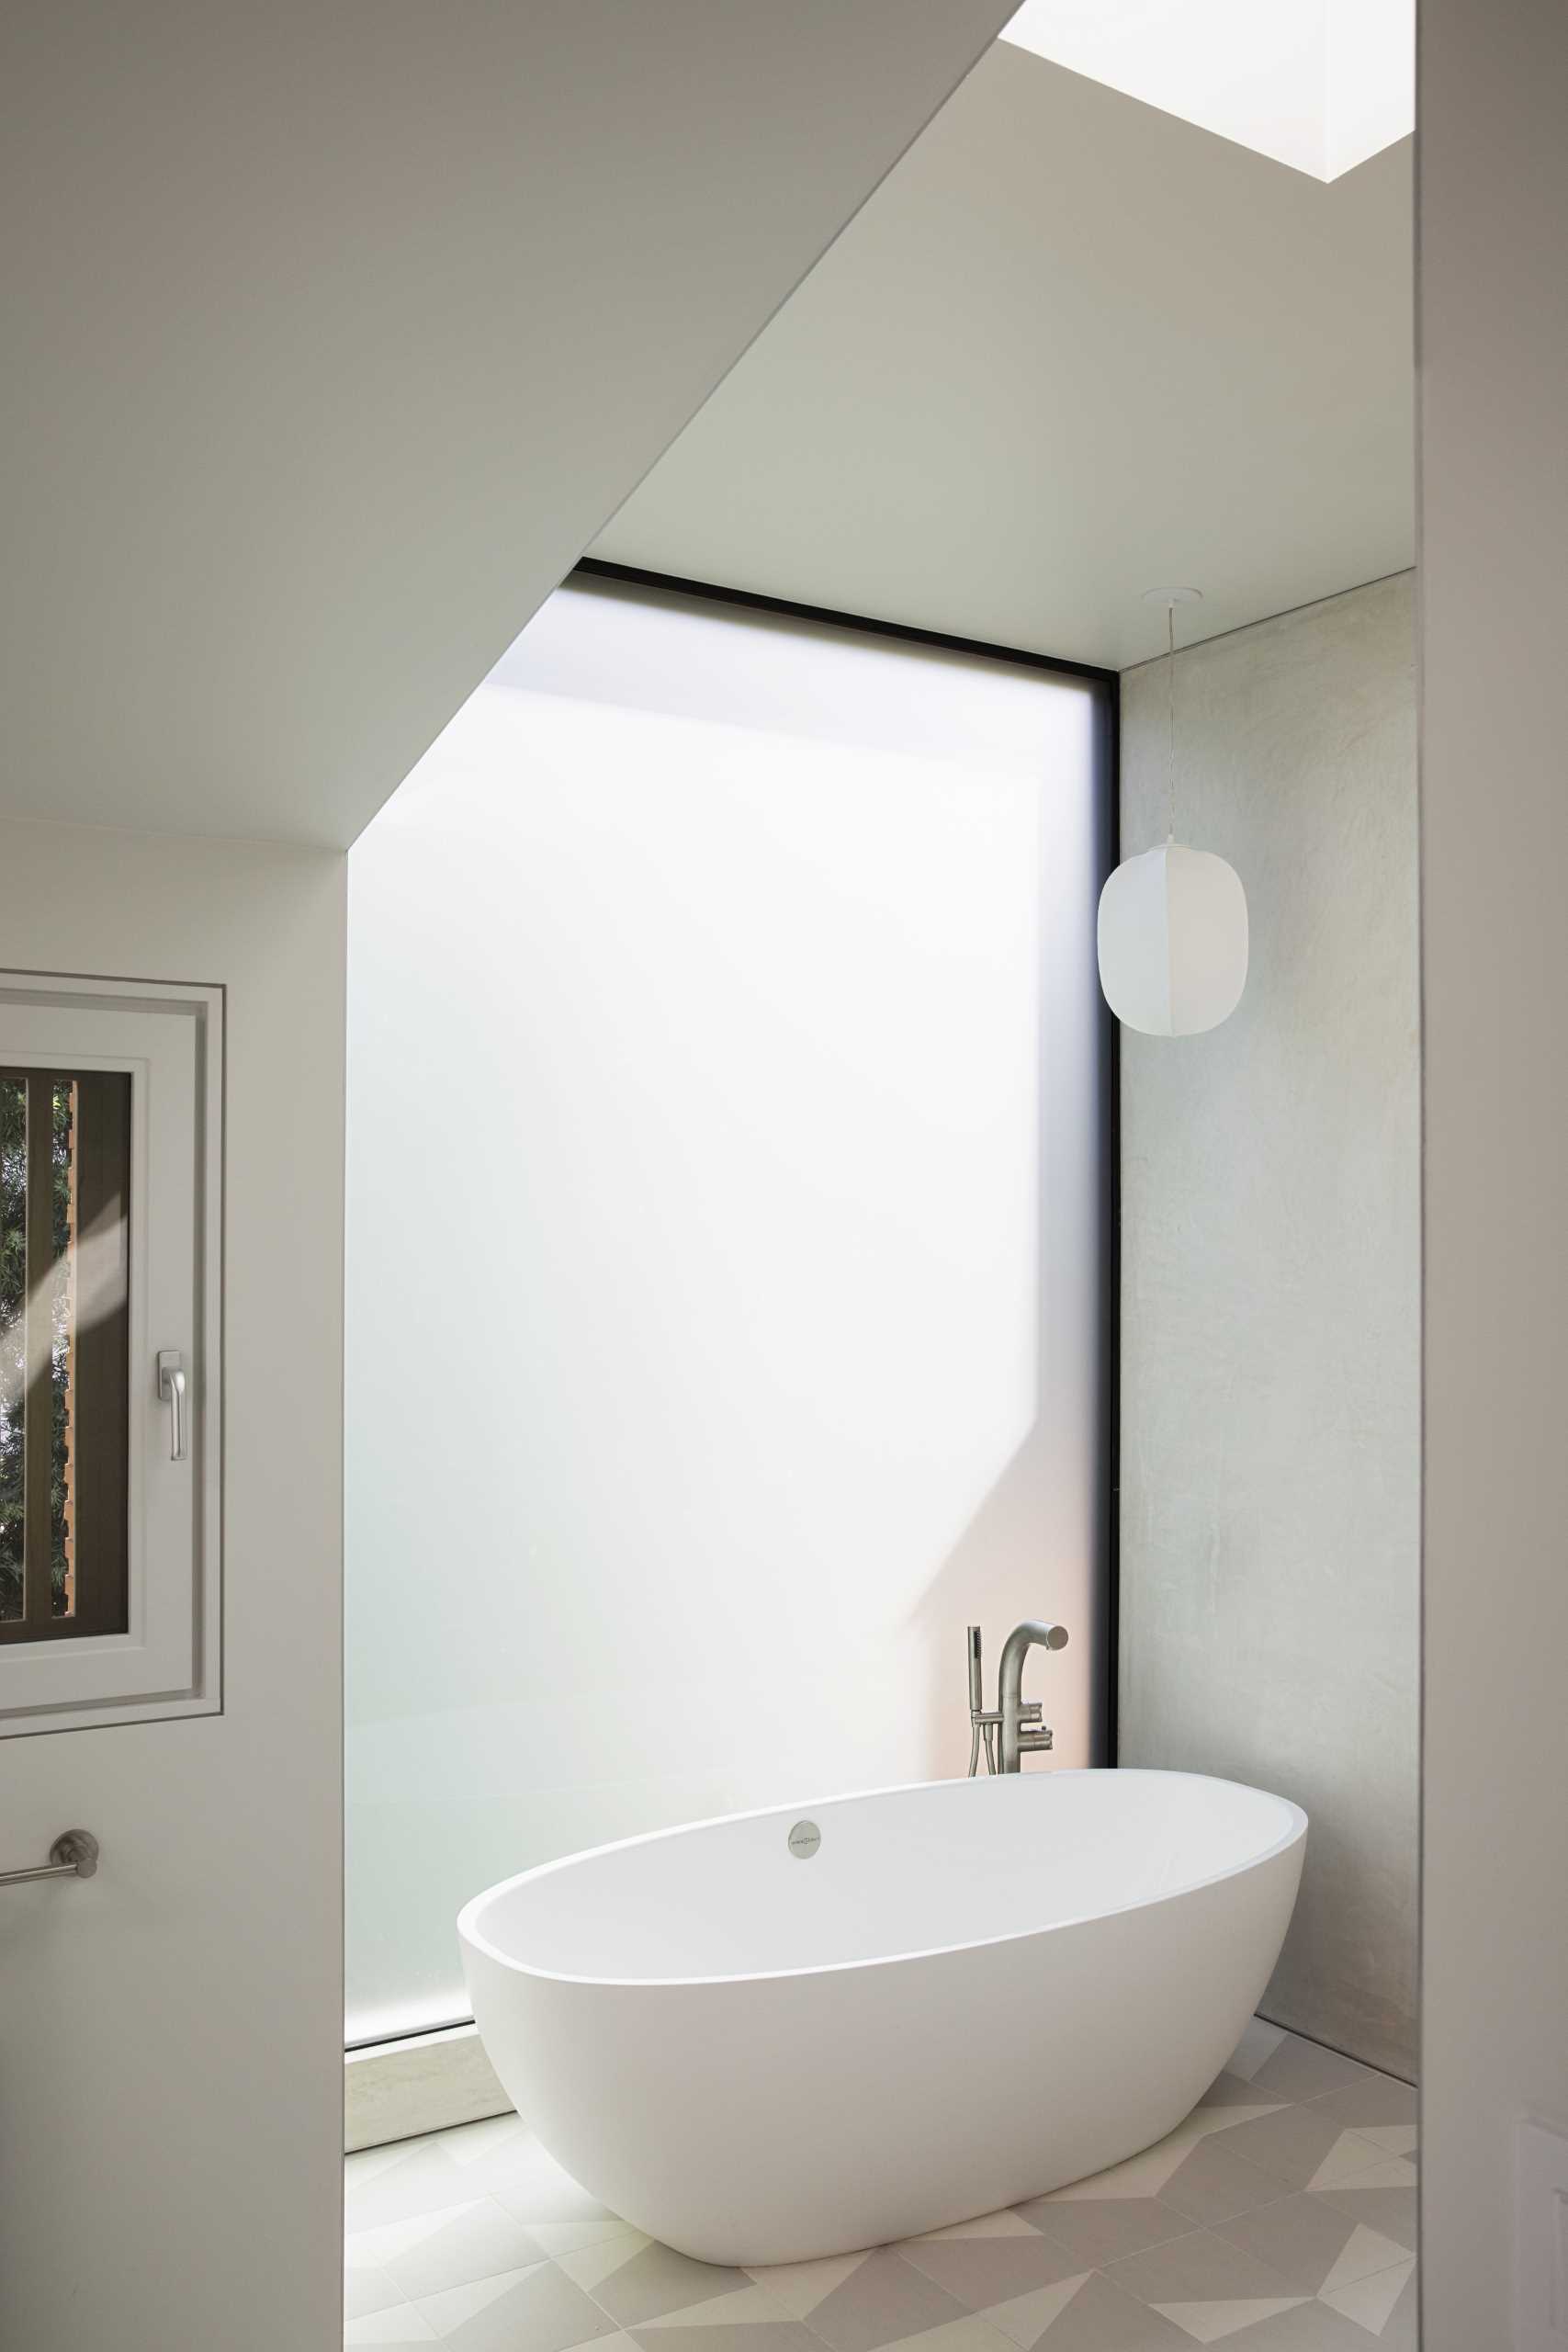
column 171, row 2033
column 1493, row 223
column 1270, row 1290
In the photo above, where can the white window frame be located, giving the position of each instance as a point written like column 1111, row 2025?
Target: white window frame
column 169, row 1661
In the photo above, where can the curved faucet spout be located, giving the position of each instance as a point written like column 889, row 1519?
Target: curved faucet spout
column 1030, row 1634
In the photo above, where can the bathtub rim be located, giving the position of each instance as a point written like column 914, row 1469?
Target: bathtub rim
column 470, row 1933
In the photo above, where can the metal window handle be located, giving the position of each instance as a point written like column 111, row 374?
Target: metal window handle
column 172, row 1389
column 73, row 1855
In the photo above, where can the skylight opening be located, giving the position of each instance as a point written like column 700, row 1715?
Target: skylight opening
column 1317, row 84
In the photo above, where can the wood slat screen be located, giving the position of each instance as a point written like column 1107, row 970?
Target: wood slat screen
column 73, row 1327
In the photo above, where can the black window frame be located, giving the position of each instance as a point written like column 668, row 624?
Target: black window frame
column 1107, row 684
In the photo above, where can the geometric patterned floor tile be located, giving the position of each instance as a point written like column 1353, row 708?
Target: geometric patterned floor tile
column 566, row 2237
column 1303, row 2070
column 1212, row 2321
column 1395, row 2139
column 537, row 2310
column 746, row 2307
column 1202, row 2269
column 1392, row 2211
column 982, row 2272
column 1100, row 2316
column 1148, row 2173
column 1233, row 2090
column 375, row 2248
column 1257, row 2044
column 589, row 2265
column 1215, row 2182
column 1027, row 2320
column 970, row 2334
column 519, row 2174
column 799, row 2287
column 1305, row 2327
column 883, row 2301
column 452, row 2248
column 1375, row 2107
column 477, row 2148
column 1301, row 2148
column 367, row 2288
column 404, row 2325
column 1345, row 2166
column 753, row 2332
column 1142, row 2176
column 636, row 2279
column 1311, row 2244
column 398, row 2184
column 1093, row 2231
column 1279, row 2217
column 1384, row 2305
column 1389, row 2172
column 1008, row 2224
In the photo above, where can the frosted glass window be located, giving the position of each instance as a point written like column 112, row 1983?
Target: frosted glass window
column 728, row 1238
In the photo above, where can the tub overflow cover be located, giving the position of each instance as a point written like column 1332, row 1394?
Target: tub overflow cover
column 804, row 1840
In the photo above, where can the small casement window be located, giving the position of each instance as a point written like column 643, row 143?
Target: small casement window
column 110, row 1225
column 65, row 1353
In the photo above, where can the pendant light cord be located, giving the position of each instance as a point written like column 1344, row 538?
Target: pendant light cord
column 1171, row 720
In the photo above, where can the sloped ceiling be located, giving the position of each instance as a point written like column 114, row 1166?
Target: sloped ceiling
column 336, row 330
column 1073, row 348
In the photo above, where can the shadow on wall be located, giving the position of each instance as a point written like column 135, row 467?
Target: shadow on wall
column 1021, row 1556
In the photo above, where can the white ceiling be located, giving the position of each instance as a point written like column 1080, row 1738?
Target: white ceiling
column 1073, row 348
column 335, row 331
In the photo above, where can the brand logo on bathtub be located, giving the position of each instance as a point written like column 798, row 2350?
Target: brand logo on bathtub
column 804, row 1840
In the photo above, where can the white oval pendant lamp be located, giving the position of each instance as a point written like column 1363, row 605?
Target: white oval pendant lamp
column 1172, row 929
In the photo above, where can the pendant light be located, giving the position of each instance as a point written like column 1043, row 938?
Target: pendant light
column 1172, row 929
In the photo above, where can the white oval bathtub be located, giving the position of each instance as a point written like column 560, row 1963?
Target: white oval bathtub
column 968, row 1994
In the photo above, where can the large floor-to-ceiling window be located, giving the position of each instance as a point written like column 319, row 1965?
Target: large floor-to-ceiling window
column 730, row 1224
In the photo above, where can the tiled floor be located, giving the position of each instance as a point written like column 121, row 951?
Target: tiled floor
column 1280, row 2217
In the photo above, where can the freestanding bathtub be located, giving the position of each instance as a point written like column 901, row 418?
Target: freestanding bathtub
column 795, row 2033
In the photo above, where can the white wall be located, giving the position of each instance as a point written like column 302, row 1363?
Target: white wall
column 723, row 1245
column 1270, row 1266
column 338, row 331
column 1494, row 225
column 170, row 2159
column 1071, row 346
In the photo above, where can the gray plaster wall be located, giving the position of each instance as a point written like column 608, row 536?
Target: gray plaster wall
column 1270, row 1290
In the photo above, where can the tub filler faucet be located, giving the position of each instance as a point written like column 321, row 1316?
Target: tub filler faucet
column 1014, row 1727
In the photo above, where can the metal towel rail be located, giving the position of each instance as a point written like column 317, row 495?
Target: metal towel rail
column 72, row 1855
